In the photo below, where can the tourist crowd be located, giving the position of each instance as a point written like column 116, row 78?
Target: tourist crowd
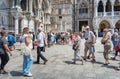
column 28, row 41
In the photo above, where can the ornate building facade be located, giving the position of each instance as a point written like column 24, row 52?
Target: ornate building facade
column 83, row 14
column 17, row 14
column 62, row 15
column 98, row 14
column 106, row 14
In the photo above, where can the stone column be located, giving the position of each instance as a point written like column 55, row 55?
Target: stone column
column 16, row 25
column 17, row 3
column 27, row 4
column 13, row 1
column 96, row 10
column 104, row 9
column 112, row 9
column 30, row 6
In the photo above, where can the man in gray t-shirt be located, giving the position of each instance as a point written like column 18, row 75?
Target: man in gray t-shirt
column 2, row 42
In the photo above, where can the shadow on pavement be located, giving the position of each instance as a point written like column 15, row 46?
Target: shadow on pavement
column 97, row 62
column 16, row 73
column 68, row 62
column 111, row 67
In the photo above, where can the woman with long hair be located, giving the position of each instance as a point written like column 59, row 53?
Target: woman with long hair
column 26, row 50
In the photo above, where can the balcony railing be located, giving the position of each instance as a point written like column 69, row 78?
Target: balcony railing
column 116, row 13
column 108, row 13
column 100, row 13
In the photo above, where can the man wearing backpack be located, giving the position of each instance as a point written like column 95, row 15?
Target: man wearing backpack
column 89, row 43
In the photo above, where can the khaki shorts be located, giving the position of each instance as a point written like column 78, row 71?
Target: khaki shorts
column 107, row 50
column 88, row 46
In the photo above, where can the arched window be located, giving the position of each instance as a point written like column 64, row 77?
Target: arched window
column 83, row 8
column 23, row 4
column 100, row 6
column 108, row 6
column 117, row 5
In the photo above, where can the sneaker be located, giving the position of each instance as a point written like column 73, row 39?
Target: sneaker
column 113, row 58
column 93, row 60
column 118, row 68
column 88, row 57
column 45, row 61
column 74, row 62
column 28, row 75
column 36, row 62
column 3, row 72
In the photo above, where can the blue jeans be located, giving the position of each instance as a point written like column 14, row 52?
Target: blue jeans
column 114, row 43
column 27, row 63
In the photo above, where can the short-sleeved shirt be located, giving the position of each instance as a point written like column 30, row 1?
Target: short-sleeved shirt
column 116, row 36
column 41, row 37
column 2, row 42
column 108, row 42
column 89, row 36
column 78, row 39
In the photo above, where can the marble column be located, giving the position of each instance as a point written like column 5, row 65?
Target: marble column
column 104, row 9
column 112, row 9
column 96, row 10
column 17, row 3
column 30, row 6
column 27, row 4
column 13, row 1
column 16, row 25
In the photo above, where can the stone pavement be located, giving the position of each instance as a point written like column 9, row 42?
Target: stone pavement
column 60, row 65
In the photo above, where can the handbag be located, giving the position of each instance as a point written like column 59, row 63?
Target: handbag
column 35, row 43
column 116, row 48
column 74, row 45
column 42, row 49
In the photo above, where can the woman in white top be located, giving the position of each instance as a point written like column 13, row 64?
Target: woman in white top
column 76, row 47
column 26, row 50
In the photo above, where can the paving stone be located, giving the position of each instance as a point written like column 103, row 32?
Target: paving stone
column 59, row 65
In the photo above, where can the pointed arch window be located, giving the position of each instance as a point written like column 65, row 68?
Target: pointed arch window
column 83, row 8
column 23, row 4
column 100, row 6
column 108, row 6
column 117, row 5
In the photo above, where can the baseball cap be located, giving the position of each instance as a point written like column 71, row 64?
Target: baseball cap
column 87, row 27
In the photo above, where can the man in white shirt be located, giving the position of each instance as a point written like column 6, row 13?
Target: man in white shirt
column 89, row 43
column 40, row 40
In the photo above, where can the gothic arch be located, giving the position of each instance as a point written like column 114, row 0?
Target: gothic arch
column 23, row 4
column 108, row 6
column 35, row 6
column 100, row 6
column 83, row 3
column 117, row 5
column 117, row 25
column 104, row 24
column 83, row 6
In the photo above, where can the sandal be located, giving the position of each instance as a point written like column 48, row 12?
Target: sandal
column 113, row 58
column 118, row 68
